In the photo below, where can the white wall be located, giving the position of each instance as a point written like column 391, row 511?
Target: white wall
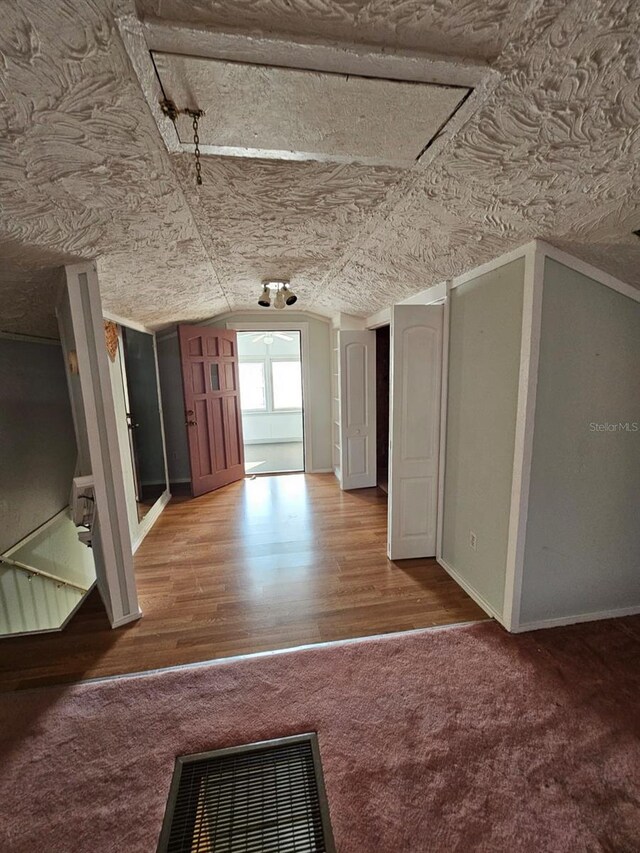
column 271, row 427
column 56, row 550
column 483, row 366
column 582, row 552
column 33, row 603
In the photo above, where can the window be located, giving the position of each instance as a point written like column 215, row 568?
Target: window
column 286, row 384
column 253, row 394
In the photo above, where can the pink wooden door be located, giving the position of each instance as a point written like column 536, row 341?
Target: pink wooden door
column 209, row 359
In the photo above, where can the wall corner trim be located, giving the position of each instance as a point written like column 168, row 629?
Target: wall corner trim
column 473, row 593
column 557, row 622
column 150, row 519
column 125, row 620
column 525, row 419
column 118, row 585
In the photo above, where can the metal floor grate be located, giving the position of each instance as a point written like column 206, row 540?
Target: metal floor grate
column 257, row 798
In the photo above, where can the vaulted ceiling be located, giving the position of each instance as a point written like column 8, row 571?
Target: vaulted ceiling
column 550, row 150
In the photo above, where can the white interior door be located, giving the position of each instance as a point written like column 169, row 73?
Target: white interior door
column 416, row 375
column 358, row 409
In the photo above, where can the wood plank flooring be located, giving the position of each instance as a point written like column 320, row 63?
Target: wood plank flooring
column 263, row 564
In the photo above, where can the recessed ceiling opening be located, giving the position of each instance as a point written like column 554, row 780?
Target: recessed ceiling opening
column 284, row 113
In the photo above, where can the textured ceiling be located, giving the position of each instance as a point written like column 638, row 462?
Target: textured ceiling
column 553, row 152
column 473, row 28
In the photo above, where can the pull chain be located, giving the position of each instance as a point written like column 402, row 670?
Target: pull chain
column 196, row 145
column 171, row 111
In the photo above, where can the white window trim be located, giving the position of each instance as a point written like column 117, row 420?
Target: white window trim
column 271, row 400
column 256, row 360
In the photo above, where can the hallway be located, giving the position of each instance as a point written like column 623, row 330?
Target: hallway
column 262, row 564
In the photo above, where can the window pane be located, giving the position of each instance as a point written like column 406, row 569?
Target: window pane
column 252, row 393
column 215, row 379
column 287, row 384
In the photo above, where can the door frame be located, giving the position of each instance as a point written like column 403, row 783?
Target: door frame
column 436, row 295
column 303, row 329
column 141, row 527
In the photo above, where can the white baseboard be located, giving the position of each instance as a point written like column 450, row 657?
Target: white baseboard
column 558, row 621
column 150, row 519
column 489, row 609
column 319, row 471
column 124, row 620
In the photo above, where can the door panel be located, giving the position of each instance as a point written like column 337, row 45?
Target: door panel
column 212, row 406
column 358, row 404
column 416, row 373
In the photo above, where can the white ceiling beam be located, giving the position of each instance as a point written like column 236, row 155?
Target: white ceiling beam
column 361, row 60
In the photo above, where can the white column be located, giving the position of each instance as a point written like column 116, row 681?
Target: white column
column 112, row 540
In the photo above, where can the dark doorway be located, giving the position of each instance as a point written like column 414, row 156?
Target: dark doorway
column 382, row 405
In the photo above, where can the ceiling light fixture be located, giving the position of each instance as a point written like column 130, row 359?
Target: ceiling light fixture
column 265, row 296
column 289, row 295
column 283, row 294
column 169, row 109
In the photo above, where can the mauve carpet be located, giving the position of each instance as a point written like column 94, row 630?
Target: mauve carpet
column 459, row 739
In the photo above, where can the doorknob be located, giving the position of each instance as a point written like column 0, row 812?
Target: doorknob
column 191, row 423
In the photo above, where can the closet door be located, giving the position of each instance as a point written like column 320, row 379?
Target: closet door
column 357, row 352
column 416, row 375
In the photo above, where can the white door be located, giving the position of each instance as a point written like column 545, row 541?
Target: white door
column 358, row 409
column 416, row 374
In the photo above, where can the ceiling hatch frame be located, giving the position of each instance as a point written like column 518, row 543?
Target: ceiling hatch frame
column 302, row 114
column 142, row 39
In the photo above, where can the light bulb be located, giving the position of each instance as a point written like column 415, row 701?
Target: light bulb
column 279, row 302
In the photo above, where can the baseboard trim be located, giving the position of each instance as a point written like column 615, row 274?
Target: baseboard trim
column 124, row 620
column 150, row 519
column 559, row 621
column 466, row 586
column 319, row 471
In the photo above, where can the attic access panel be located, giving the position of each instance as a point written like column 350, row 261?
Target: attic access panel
column 290, row 114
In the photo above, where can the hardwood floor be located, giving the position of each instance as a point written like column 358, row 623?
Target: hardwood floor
column 262, row 564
